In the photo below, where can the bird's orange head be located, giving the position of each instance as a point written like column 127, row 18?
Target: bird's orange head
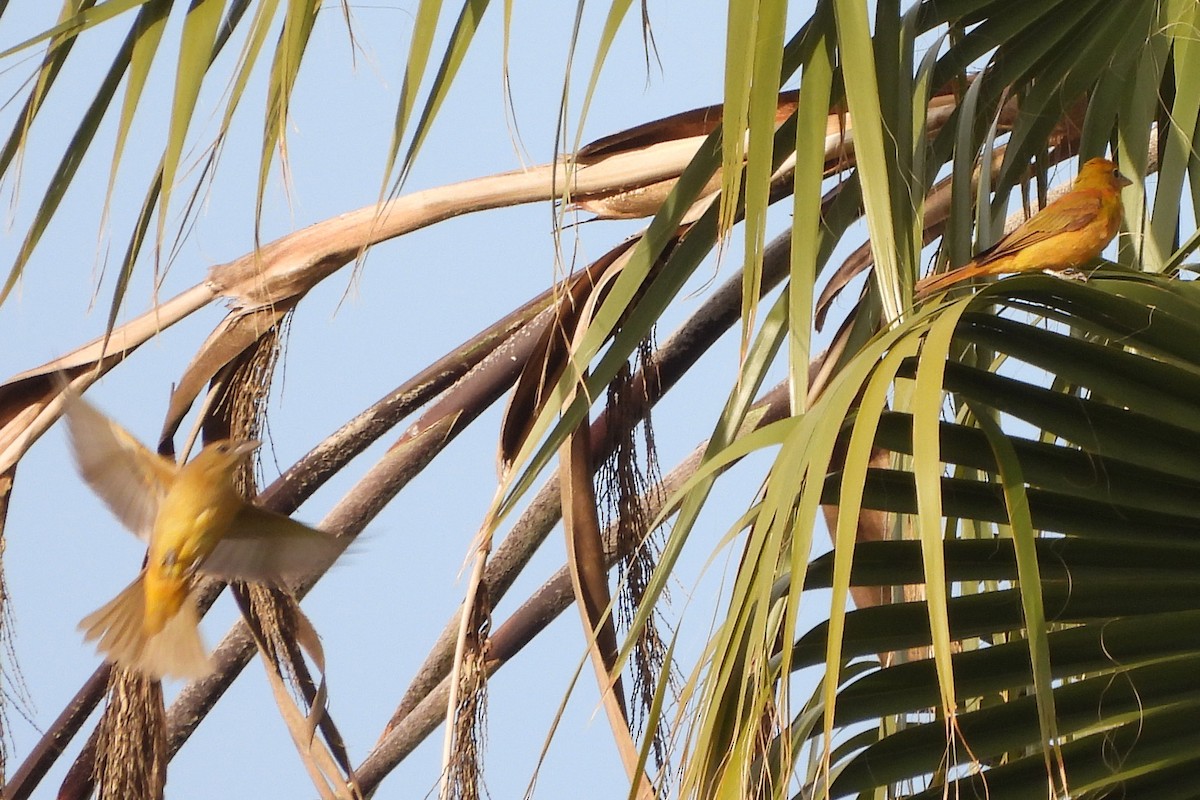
column 1100, row 173
column 222, row 457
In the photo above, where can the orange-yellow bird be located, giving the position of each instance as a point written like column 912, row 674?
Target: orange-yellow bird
column 195, row 522
column 1069, row 231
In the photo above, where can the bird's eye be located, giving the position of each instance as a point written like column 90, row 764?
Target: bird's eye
column 223, row 447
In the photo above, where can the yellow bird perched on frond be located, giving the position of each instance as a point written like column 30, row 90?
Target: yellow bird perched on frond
column 195, row 523
column 1068, row 232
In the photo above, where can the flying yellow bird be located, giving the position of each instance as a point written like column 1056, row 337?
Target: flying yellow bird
column 195, row 523
column 1068, row 232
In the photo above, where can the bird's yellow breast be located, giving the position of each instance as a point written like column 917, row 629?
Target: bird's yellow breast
column 191, row 520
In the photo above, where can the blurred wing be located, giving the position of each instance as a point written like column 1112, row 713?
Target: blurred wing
column 130, row 479
column 1071, row 212
column 264, row 546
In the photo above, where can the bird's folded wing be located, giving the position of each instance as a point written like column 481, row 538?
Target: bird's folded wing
column 1069, row 213
column 129, row 478
column 268, row 547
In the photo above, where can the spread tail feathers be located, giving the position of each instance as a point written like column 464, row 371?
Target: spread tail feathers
column 119, row 630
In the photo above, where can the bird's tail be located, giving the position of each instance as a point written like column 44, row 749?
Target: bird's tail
column 119, row 629
column 932, row 284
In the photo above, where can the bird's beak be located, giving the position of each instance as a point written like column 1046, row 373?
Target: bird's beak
column 247, row 447
column 1123, row 181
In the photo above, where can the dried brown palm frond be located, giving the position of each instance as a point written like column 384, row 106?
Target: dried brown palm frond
column 131, row 757
column 465, row 764
column 629, row 485
column 14, row 694
column 284, row 634
column 589, row 580
column 551, row 352
column 689, row 127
